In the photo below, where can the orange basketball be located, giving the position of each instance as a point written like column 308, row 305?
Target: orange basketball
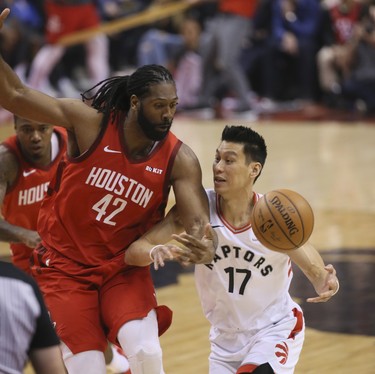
column 282, row 220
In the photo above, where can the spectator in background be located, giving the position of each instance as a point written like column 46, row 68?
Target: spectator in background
column 23, row 35
column 186, row 62
column 291, row 61
column 21, row 38
column 63, row 18
column 177, row 44
column 225, row 34
column 332, row 58
column 180, row 52
column 255, row 50
column 159, row 43
column 26, row 331
column 359, row 88
column 124, row 44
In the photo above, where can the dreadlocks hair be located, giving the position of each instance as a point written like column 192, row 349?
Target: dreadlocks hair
column 113, row 95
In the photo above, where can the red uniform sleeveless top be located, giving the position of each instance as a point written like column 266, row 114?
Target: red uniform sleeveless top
column 102, row 201
column 23, row 200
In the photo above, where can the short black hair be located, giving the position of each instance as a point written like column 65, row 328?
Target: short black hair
column 254, row 145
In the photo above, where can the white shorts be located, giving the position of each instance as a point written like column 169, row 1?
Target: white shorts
column 274, row 344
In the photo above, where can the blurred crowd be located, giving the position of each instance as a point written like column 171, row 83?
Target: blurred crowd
column 237, row 56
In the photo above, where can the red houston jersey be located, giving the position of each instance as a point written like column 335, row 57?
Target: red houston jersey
column 102, row 201
column 23, row 200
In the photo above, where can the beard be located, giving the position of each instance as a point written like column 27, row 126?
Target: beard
column 150, row 129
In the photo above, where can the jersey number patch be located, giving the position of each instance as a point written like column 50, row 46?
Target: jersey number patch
column 245, row 275
column 108, row 201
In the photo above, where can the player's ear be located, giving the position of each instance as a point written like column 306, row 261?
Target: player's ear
column 255, row 169
column 134, row 101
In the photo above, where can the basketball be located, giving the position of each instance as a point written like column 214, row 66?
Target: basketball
column 282, row 220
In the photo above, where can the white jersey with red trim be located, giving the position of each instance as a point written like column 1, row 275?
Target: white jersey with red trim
column 245, row 288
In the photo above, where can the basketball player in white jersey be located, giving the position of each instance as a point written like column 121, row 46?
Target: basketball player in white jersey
column 256, row 327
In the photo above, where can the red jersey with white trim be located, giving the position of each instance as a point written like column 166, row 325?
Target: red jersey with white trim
column 103, row 200
column 23, row 200
column 245, row 288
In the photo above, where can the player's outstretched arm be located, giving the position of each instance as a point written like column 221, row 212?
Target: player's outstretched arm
column 323, row 277
column 200, row 250
column 148, row 248
column 25, row 102
column 191, row 200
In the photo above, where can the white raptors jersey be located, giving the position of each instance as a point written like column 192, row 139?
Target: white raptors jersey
column 245, row 288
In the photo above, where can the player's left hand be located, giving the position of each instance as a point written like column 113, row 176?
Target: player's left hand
column 162, row 253
column 201, row 251
column 330, row 287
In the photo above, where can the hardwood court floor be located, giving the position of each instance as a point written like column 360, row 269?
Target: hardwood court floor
column 331, row 163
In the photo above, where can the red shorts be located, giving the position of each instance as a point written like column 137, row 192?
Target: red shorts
column 66, row 19
column 90, row 307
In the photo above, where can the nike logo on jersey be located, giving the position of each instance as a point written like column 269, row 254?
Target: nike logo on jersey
column 108, row 150
column 216, row 226
column 27, row 173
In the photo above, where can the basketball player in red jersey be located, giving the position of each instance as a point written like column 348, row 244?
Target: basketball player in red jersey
column 28, row 161
column 111, row 189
